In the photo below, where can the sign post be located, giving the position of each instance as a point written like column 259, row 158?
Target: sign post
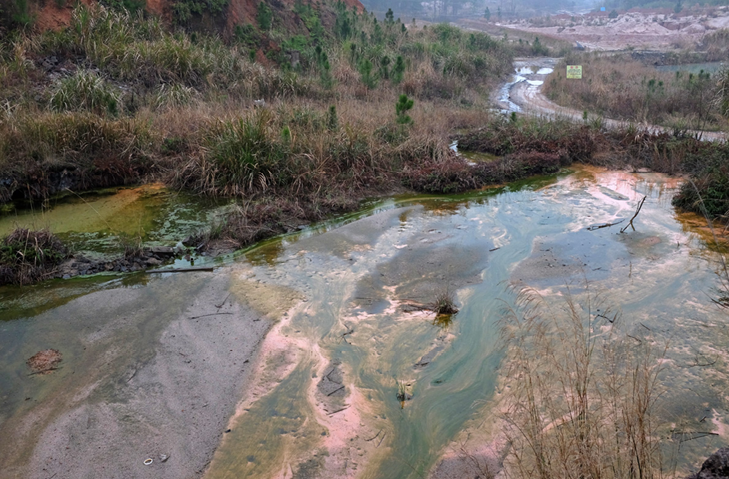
column 574, row 72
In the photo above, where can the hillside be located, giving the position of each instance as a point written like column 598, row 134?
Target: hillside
column 214, row 16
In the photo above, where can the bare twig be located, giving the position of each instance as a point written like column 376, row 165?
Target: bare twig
column 206, row 315
column 375, row 437
column 340, row 409
column 179, row 270
column 637, row 210
column 338, row 389
column 604, row 225
column 223, row 303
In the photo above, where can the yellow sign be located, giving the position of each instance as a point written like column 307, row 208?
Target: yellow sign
column 574, row 71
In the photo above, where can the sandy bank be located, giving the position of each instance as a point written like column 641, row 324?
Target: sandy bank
column 147, row 371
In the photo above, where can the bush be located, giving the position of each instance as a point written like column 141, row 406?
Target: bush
column 707, row 192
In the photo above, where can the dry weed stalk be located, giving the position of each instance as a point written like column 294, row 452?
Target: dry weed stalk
column 581, row 395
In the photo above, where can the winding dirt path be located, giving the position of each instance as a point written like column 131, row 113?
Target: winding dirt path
column 524, row 95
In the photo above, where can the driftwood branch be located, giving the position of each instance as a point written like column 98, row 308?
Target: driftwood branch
column 206, row 315
column 338, row 410
column 345, row 334
column 604, row 225
column 179, row 270
column 375, row 437
column 336, row 390
column 637, row 210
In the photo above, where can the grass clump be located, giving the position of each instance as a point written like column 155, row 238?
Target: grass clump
column 29, row 256
column 444, row 304
column 42, row 154
column 85, row 91
column 245, row 158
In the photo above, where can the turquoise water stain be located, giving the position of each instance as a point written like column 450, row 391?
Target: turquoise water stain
column 357, row 270
column 533, row 232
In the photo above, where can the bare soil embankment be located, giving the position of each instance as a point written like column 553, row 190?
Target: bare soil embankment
column 657, row 29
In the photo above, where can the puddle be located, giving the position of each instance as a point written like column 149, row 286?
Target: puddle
column 473, row 156
column 358, row 337
column 92, row 223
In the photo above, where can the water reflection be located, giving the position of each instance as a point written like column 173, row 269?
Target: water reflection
column 359, row 272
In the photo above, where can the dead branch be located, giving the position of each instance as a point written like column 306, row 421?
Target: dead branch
column 637, row 210
column 375, row 437
column 340, row 410
column 179, row 270
column 604, row 225
column 336, row 390
column 206, row 315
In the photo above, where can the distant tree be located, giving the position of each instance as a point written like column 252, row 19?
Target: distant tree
column 385, row 67
column 389, row 17
column 265, row 16
column 498, row 12
column 401, row 108
column 365, row 74
column 678, row 7
column 538, row 48
column 332, row 120
column 398, row 71
column 487, row 14
column 613, row 14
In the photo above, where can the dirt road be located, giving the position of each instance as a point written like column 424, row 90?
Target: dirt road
column 523, row 94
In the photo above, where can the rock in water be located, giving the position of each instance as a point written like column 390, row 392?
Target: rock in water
column 43, row 362
column 715, row 467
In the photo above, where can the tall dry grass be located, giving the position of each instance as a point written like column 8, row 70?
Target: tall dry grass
column 29, row 256
column 581, row 395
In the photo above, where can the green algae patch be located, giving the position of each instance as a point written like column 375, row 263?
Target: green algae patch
column 99, row 222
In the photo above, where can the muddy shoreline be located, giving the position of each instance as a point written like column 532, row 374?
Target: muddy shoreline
column 140, row 379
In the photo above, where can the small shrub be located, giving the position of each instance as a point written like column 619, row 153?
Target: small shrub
column 368, row 78
column 403, row 105
column 332, row 120
column 398, row 71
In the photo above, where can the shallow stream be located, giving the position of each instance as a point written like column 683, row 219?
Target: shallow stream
column 324, row 400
